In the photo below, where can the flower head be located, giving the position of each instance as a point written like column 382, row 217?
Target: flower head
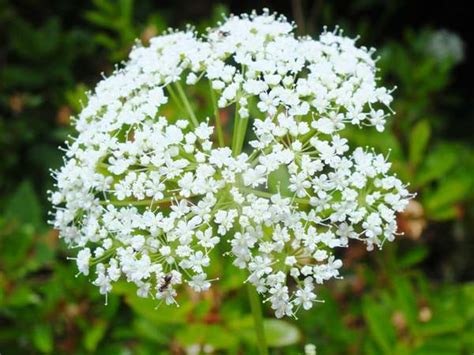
column 145, row 195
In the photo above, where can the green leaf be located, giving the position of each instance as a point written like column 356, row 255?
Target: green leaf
column 452, row 189
column 381, row 330
column 215, row 335
column 413, row 257
column 468, row 297
column 440, row 346
column 94, row 335
column 22, row 296
column 100, row 20
column 406, row 300
column 43, row 338
column 383, row 142
column 147, row 330
column 281, row 333
column 24, row 206
column 437, row 163
column 418, row 141
column 444, row 213
column 16, row 243
column 126, row 8
column 76, row 97
column 442, row 323
column 154, row 310
column 278, row 333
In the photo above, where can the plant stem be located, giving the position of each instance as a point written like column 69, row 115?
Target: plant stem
column 146, row 202
column 242, row 131
column 175, row 98
column 186, row 103
column 257, row 318
column 220, row 134
column 236, row 132
column 255, row 305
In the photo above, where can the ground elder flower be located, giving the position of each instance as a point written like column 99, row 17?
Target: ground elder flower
column 149, row 187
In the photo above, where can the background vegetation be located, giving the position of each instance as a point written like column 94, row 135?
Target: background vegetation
column 416, row 296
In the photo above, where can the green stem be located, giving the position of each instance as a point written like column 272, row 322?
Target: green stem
column 254, row 298
column 186, row 103
column 174, row 97
column 242, row 131
column 258, row 319
column 236, row 132
column 220, row 134
column 146, row 202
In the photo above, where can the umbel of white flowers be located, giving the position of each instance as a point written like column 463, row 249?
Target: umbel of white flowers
column 145, row 194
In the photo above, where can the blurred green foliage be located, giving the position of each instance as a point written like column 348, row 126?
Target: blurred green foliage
column 413, row 297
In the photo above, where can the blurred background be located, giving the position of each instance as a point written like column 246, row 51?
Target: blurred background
column 416, row 296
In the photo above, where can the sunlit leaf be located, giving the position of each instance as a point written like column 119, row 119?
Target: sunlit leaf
column 418, row 141
column 43, row 338
column 281, row 333
column 94, row 335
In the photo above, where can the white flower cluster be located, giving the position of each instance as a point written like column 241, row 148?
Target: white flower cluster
column 445, row 45
column 145, row 193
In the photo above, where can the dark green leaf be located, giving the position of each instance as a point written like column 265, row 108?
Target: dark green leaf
column 380, row 329
column 24, row 206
